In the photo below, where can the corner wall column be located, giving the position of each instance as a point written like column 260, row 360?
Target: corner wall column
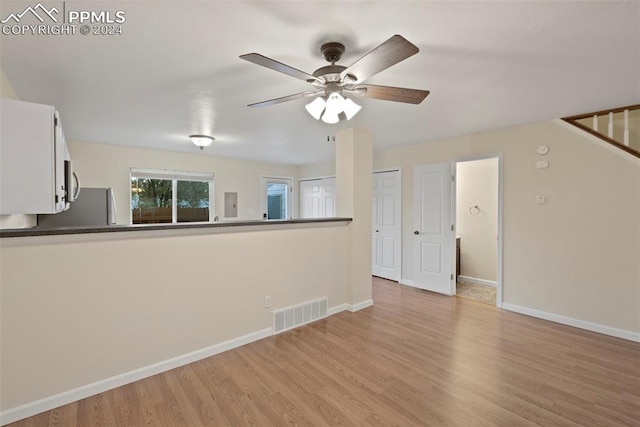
column 354, row 169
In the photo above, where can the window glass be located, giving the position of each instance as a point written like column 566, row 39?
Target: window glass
column 151, row 200
column 277, row 200
column 192, row 200
column 163, row 196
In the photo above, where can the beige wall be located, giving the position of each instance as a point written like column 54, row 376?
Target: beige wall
column 80, row 309
column 12, row 221
column 579, row 255
column 354, row 159
column 103, row 165
column 477, row 185
column 317, row 170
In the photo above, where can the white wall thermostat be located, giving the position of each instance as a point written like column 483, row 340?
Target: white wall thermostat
column 543, row 149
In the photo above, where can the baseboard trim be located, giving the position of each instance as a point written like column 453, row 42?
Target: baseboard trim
column 337, row 309
column 478, row 281
column 360, row 306
column 51, row 402
column 349, row 307
column 582, row 324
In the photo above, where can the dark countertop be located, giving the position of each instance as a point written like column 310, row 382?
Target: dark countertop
column 59, row 231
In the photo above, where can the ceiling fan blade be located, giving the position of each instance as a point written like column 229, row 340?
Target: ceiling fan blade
column 256, row 58
column 389, row 53
column 284, row 99
column 397, row 94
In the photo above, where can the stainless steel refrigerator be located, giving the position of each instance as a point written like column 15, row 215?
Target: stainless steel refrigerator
column 94, row 206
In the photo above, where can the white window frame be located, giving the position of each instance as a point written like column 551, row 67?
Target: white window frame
column 264, row 180
column 175, row 176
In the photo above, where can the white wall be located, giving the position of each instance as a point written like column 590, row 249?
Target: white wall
column 477, row 185
column 577, row 256
column 130, row 300
column 13, row 221
column 103, row 165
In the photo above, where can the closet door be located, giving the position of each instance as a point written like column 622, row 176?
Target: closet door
column 386, row 225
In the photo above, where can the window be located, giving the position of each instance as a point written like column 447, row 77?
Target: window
column 160, row 196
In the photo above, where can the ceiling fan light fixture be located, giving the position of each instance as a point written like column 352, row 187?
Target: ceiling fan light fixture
column 330, row 118
column 201, row 140
column 350, row 108
column 335, row 104
column 316, row 107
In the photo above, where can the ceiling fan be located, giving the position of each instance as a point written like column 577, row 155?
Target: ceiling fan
column 333, row 81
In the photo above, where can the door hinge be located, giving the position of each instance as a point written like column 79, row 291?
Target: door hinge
column 453, row 178
column 451, row 227
column 452, row 277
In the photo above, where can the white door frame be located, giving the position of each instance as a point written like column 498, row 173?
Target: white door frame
column 263, row 192
column 454, row 163
column 398, row 252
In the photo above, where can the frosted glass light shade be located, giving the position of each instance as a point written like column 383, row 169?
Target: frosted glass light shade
column 350, row 108
column 330, row 118
column 316, row 107
column 201, row 140
column 335, row 104
column 330, row 109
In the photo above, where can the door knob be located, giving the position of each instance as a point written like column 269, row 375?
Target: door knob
column 416, row 232
column 377, row 231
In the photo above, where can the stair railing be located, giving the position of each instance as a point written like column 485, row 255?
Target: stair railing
column 622, row 126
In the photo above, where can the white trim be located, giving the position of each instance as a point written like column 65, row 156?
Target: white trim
column 597, row 141
column 337, row 309
column 500, row 254
column 171, row 174
column 359, row 306
column 51, row 402
column 478, row 281
column 291, row 198
column 316, row 178
column 349, row 307
column 582, row 324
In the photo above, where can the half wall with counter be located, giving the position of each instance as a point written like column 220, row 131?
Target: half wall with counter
column 83, row 312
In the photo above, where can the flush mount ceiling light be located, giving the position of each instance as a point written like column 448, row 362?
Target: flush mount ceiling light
column 201, row 140
column 332, row 83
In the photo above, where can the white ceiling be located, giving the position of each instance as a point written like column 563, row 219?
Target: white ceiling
column 175, row 70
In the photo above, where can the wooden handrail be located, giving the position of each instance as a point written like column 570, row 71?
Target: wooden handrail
column 573, row 120
column 603, row 112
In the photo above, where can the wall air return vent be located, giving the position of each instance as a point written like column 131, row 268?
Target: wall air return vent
column 291, row 317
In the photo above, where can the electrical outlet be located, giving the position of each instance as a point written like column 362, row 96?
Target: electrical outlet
column 267, row 302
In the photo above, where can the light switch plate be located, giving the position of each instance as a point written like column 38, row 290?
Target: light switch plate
column 542, row 199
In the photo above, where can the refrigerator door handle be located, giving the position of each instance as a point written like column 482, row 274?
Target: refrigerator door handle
column 76, row 193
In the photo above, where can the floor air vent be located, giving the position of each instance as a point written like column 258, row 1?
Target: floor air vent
column 290, row 317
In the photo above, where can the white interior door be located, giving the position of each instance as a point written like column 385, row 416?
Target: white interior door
column 328, row 204
column 310, row 198
column 318, row 198
column 387, row 225
column 432, row 234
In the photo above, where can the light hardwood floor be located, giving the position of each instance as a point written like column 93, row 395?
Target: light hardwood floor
column 413, row 359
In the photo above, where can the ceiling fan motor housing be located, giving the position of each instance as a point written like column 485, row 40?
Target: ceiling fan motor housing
column 332, row 51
